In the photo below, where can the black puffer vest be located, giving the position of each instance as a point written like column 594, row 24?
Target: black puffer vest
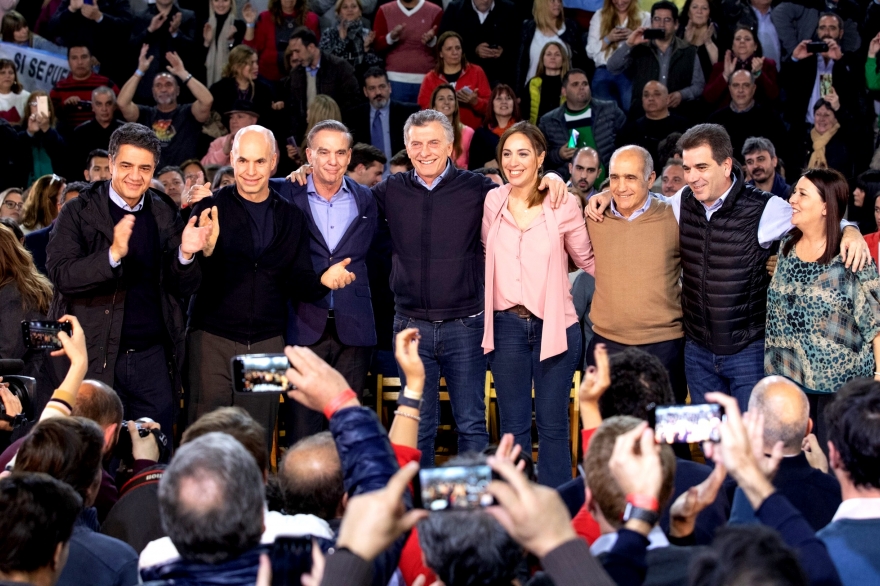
column 724, row 279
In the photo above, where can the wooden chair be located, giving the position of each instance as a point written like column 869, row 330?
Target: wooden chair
column 574, row 418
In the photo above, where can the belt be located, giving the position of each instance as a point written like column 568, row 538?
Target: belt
column 519, row 311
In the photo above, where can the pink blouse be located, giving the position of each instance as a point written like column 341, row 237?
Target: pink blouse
column 530, row 267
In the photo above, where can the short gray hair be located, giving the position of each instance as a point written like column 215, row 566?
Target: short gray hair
column 226, row 517
column 424, row 117
column 754, row 144
column 104, row 90
column 647, row 159
column 333, row 125
column 268, row 134
column 785, row 416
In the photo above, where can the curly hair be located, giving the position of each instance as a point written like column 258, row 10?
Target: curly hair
column 638, row 379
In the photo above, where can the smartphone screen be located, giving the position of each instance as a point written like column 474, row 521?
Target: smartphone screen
column 43, row 335
column 291, row 141
column 453, row 488
column 43, row 105
column 291, row 557
column 685, row 424
column 824, row 84
column 261, row 373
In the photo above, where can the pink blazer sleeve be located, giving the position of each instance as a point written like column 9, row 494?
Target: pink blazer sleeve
column 574, row 232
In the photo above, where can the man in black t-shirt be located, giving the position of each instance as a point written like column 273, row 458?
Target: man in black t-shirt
column 177, row 126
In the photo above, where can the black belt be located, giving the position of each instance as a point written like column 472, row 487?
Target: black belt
column 519, row 311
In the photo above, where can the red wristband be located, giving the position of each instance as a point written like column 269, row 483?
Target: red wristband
column 338, row 401
column 642, row 501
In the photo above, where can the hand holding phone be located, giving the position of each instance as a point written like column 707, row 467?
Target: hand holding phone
column 43, row 106
column 817, row 47
column 654, row 34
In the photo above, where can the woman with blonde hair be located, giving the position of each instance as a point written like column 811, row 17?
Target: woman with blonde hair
column 531, row 330
column 25, row 294
column 220, row 34
column 548, row 24
column 239, row 82
column 608, row 28
column 47, row 149
column 41, row 204
column 323, row 108
column 544, row 91
column 444, row 101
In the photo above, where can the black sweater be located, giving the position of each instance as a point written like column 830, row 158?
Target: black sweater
column 437, row 257
column 243, row 297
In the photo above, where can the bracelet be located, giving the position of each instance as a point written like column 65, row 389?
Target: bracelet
column 411, row 394
column 139, row 73
column 338, row 401
column 251, row 24
column 408, row 416
column 404, row 401
column 642, row 501
column 876, row 373
column 186, row 81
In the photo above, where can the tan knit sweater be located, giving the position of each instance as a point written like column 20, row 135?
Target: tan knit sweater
column 638, row 265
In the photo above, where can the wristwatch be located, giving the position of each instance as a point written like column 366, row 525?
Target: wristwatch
column 633, row 512
column 405, row 401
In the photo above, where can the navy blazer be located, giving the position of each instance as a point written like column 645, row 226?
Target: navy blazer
column 352, row 307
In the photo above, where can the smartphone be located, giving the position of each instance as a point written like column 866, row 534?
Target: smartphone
column 43, row 106
column 573, row 139
column 291, row 141
column 260, row 373
column 291, row 557
column 453, row 488
column 89, row 2
column 654, row 34
column 817, row 47
column 493, row 46
column 824, row 84
column 686, row 424
column 43, row 335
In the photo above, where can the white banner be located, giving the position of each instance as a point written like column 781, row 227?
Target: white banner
column 37, row 70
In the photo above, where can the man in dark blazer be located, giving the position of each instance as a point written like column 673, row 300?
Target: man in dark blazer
column 327, row 74
column 489, row 36
column 392, row 115
column 342, row 218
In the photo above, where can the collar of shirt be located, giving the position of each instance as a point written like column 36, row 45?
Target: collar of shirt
column 744, row 110
column 482, row 15
column 117, row 199
column 310, row 189
column 386, row 111
column 437, row 180
column 605, row 543
column 313, row 71
column 858, row 509
column 760, row 15
column 720, row 201
column 636, row 213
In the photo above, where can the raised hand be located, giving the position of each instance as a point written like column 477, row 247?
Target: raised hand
column 91, row 11
column 193, row 194
column 395, row 32
column 249, row 14
column 121, row 235
column 317, row 383
column 636, row 37
column 193, row 239
column 337, row 277
column 834, row 50
column 729, row 65
column 368, row 41
column 874, row 46
column 684, row 511
column 174, row 26
column 175, row 64
column 800, row 51
column 73, row 346
column 813, row 451
column 208, row 34
column 757, row 64
column 596, row 381
column 11, row 403
column 76, row 5
column 144, row 60
column 214, row 221
column 157, row 21
column 406, row 351
column 429, row 36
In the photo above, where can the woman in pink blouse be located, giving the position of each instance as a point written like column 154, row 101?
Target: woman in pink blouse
column 531, row 329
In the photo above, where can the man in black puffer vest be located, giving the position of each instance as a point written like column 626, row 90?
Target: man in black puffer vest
column 727, row 229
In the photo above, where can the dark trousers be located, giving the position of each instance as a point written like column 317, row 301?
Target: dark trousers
column 143, row 383
column 353, row 362
column 670, row 353
column 818, row 402
column 210, row 378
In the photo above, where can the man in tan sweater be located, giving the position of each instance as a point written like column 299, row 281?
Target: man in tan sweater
column 637, row 302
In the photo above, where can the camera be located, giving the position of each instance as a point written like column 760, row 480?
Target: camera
column 23, row 389
column 817, row 47
column 654, row 34
column 124, row 446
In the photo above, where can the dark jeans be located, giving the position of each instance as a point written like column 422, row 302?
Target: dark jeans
column 453, row 349
column 210, row 378
column 670, row 353
column 732, row 374
column 353, row 362
column 143, row 383
column 515, row 363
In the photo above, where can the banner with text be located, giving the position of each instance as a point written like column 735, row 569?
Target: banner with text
column 37, row 70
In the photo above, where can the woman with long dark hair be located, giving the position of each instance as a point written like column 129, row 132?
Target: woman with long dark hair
column 745, row 53
column 503, row 113
column 823, row 320
column 531, row 327
column 444, row 101
column 270, row 32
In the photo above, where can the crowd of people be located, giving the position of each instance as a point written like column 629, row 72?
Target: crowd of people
column 671, row 201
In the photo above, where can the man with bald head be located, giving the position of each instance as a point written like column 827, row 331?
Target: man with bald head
column 254, row 265
column 311, row 478
column 637, row 299
column 647, row 131
column 786, row 411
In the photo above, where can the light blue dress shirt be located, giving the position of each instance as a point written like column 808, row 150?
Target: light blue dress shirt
column 437, row 180
column 332, row 217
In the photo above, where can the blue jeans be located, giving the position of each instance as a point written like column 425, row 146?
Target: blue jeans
column 515, row 363
column 451, row 348
column 405, row 92
column 733, row 374
column 611, row 87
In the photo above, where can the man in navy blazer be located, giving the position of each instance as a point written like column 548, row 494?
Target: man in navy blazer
column 342, row 217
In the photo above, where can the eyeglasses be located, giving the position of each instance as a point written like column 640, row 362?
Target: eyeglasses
column 13, row 205
column 667, row 20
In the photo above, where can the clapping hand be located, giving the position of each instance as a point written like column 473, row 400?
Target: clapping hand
column 175, row 64
column 689, row 504
column 174, row 25
column 202, row 238
column 249, row 14
column 395, row 32
column 874, row 46
column 10, row 402
column 429, row 36
column 337, row 277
